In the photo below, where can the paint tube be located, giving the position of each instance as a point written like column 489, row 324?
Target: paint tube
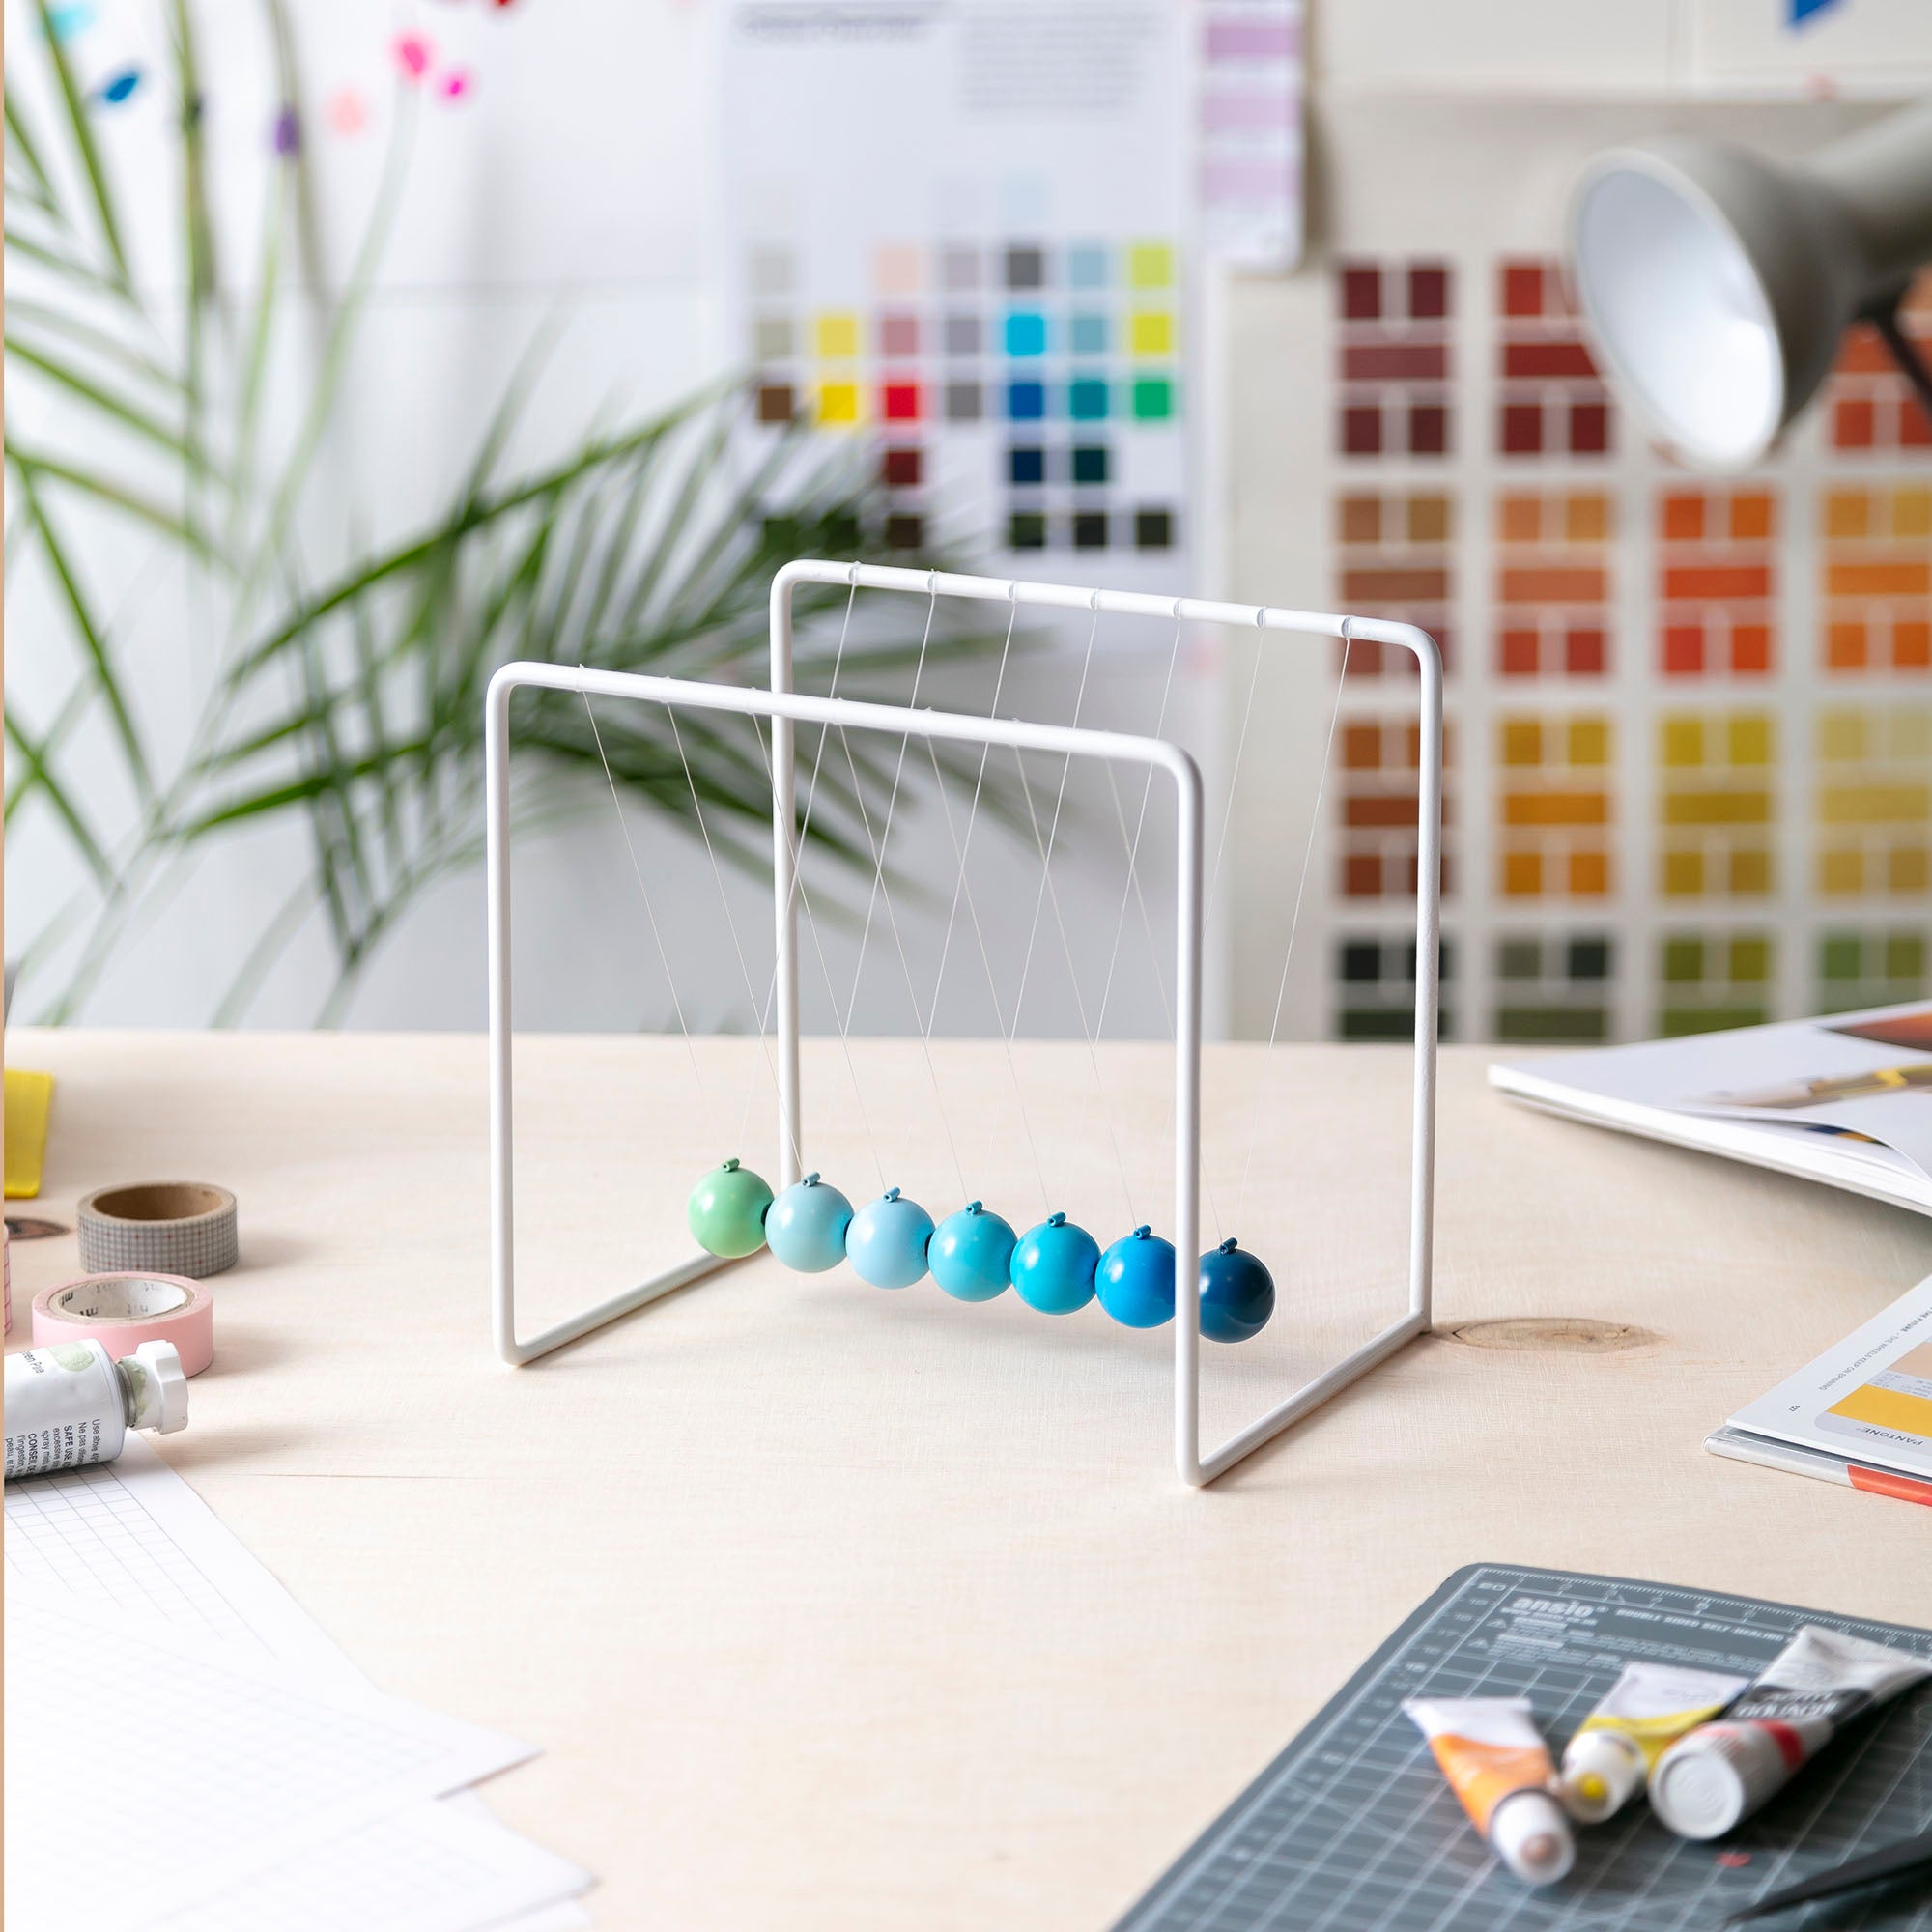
column 1816, row 1685
column 1497, row 1764
column 1635, row 1722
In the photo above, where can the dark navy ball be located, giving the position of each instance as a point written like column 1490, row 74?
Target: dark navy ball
column 1237, row 1295
column 1135, row 1280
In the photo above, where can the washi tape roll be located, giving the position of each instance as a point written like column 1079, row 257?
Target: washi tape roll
column 159, row 1226
column 121, row 1310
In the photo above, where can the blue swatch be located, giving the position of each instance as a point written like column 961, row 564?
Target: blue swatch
column 1087, row 399
column 1026, row 401
column 1026, row 332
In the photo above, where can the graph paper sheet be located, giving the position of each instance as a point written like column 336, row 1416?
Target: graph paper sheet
column 1354, row 1830
column 261, row 1765
column 130, row 1537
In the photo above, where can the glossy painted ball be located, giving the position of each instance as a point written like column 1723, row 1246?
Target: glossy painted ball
column 971, row 1253
column 806, row 1226
column 1135, row 1280
column 887, row 1239
column 726, row 1212
column 1237, row 1295
column 1052, row 1267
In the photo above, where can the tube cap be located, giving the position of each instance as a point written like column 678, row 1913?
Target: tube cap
column 158, row 1386
column 1704, row 1783
column 1602, row 1772
column 1529, row 1833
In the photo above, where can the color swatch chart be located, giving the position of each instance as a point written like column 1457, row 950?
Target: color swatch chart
column 1689, row 747
column 976, row 290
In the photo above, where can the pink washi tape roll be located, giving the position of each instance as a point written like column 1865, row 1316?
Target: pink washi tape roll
column 121, row 1310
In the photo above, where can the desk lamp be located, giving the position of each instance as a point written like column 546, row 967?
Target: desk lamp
column 1717, row 283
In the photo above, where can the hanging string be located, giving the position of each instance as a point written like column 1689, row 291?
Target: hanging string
column 724, row 902
column 704, row 1092
column 880, row 887
column 1295, row 920
column 797, row 844
column 963, row 889
column 1079, row 1004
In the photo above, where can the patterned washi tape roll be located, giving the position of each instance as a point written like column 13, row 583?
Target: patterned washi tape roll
column 121, row 1310
column 159, row 1226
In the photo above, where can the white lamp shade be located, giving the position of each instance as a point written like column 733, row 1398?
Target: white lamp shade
column 1717, row 283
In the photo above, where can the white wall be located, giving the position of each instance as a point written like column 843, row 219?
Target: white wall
column 573, row 184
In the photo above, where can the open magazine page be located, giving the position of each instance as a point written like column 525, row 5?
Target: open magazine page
column 1868, row 1399
column 1846, row 1098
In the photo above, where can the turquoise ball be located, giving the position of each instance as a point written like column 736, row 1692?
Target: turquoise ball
column 887, row 1239
column 971, row 1253
column 1237, row 1295
column 805, row 1227
column 726, row 1212
column 1135, row 1280
column 1052, row 1267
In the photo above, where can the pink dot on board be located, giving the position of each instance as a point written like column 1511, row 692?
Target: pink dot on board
column 412, row 55
column 1733, row 1861
column 347, row 114
column 457, row 83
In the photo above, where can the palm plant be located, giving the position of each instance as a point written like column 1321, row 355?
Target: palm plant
column 350, row 699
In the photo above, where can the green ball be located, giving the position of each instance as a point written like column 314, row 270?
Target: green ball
column 726, row 1212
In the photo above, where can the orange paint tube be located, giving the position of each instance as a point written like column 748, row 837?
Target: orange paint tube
column 1499, row 1766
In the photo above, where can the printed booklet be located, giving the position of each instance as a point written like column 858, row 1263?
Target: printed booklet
column 1846, row 1099
column 1860, row 1414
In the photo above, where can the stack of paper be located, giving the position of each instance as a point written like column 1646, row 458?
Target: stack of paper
column 187, row 1751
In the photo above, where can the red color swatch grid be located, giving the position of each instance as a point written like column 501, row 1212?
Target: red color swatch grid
column 1394, row 353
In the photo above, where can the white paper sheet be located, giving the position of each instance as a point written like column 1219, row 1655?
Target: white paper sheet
column 132, row 1538
column 256, row 1763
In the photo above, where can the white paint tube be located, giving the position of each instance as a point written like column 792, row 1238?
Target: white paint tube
column 74, row 1402
column 1816, row 1685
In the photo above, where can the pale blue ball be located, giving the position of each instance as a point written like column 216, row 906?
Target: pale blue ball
column 971, row 1253
column 1237, row 1295
column 1135, row 1280
column 1052, row 1267
column 805, row 1227
column 887, row 1239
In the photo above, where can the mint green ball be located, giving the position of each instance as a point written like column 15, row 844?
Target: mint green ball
column 726, row 1212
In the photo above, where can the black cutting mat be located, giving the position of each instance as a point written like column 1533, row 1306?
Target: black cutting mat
column 1351, row 1828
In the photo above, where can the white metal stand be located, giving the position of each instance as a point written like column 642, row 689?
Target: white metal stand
column 786, row 709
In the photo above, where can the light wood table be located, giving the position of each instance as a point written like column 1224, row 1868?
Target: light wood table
column 831, row 1608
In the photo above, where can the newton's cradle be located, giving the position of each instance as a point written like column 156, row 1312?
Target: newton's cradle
column 974, row 1254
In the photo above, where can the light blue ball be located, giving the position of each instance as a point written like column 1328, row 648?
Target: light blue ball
column 1135, row 1280
column 1237, row 1295
column 1052, row 1267
column 805, row 1227
column 886, row 1241
column 971, row 1253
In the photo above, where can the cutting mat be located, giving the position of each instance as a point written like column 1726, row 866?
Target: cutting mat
column 1352, row 1830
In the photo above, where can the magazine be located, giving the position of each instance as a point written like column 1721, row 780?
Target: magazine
column 1860, row 1414
column 1846, row 1099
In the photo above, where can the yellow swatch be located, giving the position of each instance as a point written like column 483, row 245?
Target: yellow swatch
column 30, row 1098
column 1150, row 332
column 837, row 402
column 1887, row 1409
column 838, row 335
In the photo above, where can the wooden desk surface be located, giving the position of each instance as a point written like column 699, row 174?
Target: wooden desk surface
column 831, row 1608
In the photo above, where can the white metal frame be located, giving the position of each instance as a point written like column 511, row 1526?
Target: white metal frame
column 786, row 709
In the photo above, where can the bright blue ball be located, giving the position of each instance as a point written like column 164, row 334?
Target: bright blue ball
column 1135, row 1280
column 805, row 1227
column 1052, row 1267
column 1237, row 1295
column 886, row 1241
column 970, row 1254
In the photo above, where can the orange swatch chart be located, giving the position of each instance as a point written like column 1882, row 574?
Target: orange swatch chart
column 977, row 288
column 1694, row 715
